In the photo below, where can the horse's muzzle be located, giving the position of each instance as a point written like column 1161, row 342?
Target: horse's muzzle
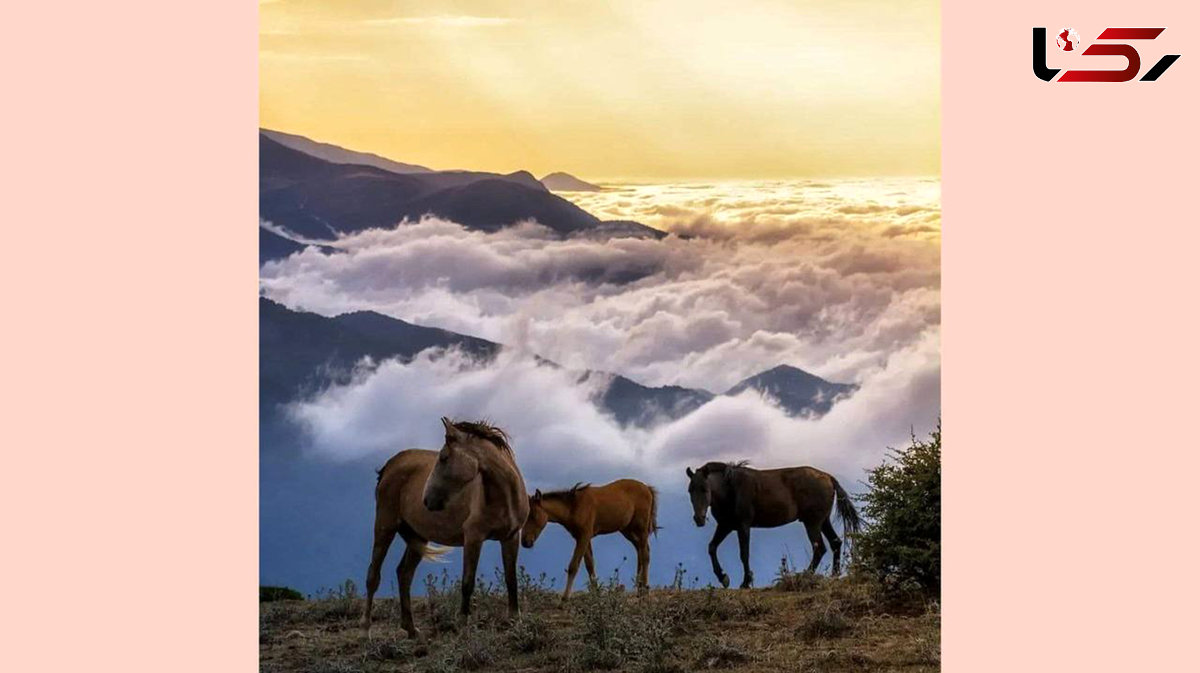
column 699, row 521
column 433, row 505
column 528, row 544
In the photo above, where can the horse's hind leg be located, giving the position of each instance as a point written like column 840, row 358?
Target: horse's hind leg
column 641, row 544
column 404, row 576
column 509, row 549
column 590, row 563
column 383, row 540
column 818, row 545
column 835, row 545
column 643, row 552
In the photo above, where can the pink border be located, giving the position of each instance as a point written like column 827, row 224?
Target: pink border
column 1070, row 332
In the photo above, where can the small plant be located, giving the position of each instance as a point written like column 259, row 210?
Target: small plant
column 718, row 652
column 474, row 649
column 388, row 650
column 530, row 633
column 824, row 622
column 789, row 579
column 680, row 576
column 442, row 602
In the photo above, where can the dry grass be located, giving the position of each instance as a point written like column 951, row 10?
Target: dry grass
column 803, row 624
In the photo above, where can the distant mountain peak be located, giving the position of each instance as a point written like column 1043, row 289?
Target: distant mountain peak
column 565, row 182
column 796, row 391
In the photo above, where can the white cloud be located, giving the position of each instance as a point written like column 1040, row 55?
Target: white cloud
column 561, row 437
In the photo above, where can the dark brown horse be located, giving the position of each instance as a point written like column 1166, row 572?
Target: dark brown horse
column 742, row 498
column 468, row 492
column 625, row 506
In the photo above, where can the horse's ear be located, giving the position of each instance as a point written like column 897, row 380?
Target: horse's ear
column 537, row 495
column 690, row 473
column 451, row 431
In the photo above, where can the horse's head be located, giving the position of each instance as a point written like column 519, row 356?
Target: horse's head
column 701, row 494
column 456, row 467
column 536, row 521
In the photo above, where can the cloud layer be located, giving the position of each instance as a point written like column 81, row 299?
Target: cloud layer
column 838, row 278
column 829, row 277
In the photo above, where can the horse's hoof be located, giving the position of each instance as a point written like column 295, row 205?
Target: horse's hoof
column 724, row 579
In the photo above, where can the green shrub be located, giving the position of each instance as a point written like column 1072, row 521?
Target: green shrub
column 901, row 544
column 269, row 594
column 530, row 633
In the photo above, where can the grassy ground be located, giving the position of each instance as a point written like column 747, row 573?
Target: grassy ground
column 802, row 623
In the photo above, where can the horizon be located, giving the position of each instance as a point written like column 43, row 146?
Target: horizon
column 624, row 180
column 626, row 92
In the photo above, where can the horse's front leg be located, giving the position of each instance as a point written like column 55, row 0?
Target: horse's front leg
column 581, row 545
column 509, row 549
column 744, row 548
column 471, row 549
column 717, row 538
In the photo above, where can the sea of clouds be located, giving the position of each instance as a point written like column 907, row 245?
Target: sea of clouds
column 840, row 278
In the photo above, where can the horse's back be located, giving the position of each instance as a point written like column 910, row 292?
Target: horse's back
column 786, row 494
column 812, row 489
column 402, row 467
column 617, row 504
column 401, row 483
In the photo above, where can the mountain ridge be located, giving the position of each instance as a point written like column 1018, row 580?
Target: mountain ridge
column 340, row 155
column 301, row 352
column 321, row 200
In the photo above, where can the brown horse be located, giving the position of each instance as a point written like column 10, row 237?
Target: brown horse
column 742, row 498
column 468, row 492
column 625, row 506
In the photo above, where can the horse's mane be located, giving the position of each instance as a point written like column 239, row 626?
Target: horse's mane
column 485, row 430
column 719, row 466
column 567, row 494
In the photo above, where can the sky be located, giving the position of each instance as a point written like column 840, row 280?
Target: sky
column 613, row 90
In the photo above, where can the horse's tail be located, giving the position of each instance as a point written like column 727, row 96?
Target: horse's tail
column 654, row 527
column 434, row 552
column 845, row 507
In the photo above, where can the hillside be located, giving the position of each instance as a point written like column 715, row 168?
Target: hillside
column 805, row 623
column 320, row 199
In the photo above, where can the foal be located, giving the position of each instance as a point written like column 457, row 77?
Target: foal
column 625, row 506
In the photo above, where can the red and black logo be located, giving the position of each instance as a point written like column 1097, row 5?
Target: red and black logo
column 1068, row 41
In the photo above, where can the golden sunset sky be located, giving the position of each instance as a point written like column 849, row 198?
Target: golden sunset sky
column 612, row 90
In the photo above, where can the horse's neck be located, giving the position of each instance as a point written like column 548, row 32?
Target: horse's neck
column 501, row 478
column 557, row 510
column 722, row 492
